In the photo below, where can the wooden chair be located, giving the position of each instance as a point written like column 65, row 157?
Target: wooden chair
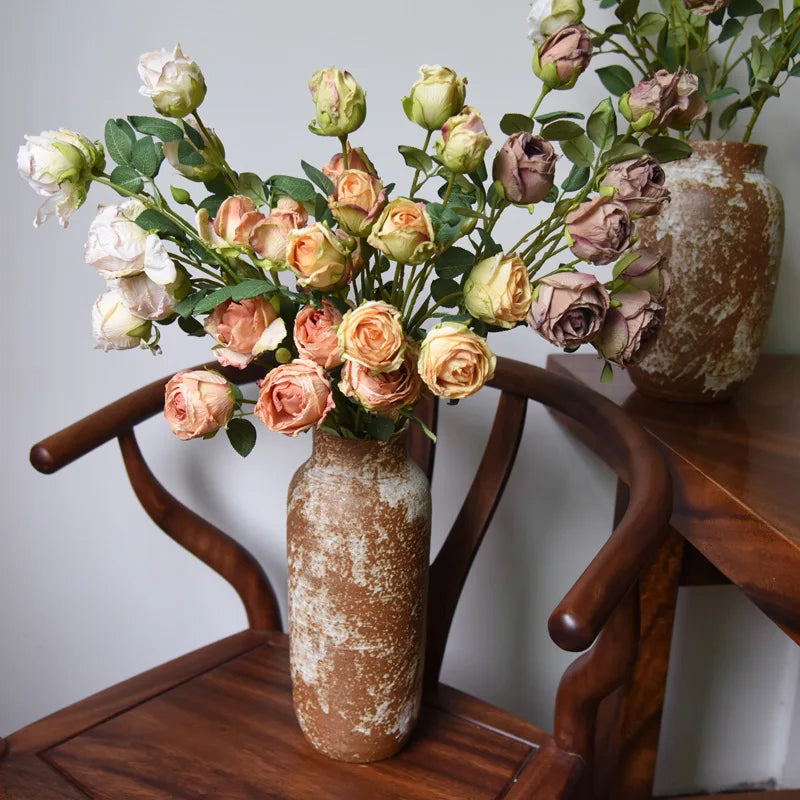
column 218, row 722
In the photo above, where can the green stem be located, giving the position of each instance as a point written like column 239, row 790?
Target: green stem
column 398, row 272
column 230, row 175
column 545, row 91
column 345, row 157
column 414, row 186
column 450, row 183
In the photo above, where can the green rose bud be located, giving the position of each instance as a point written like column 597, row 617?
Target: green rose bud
column 464, row 141
column 341, row 102
column 212, row 154
column 435, row 97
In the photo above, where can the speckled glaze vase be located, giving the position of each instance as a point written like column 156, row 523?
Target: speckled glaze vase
column 358, row 544
column 722, row 236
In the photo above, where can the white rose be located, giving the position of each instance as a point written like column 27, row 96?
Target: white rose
column 117, row 247
column 112, row 323
column 172, row 81
column 547, row 16
column 147, row 299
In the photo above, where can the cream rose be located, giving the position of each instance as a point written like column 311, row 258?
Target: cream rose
column 150, row 300
column 317, row 256
column 197, row 402
column 435, row 97
column 372, row 335
column 404, row 232
column 383, row 391
column 172, row 81
column 212, row 153
column 358, row 198
column 315, row 334
column 498, row 290
column 114, row 326
column 340, row 101
column 464, row 141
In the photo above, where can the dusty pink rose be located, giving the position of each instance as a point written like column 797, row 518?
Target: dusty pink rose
column 294, row 397
column 317, row 256
column 705, row 7
column 356, row 159
column 639, row 184
column 235, row 220
column 197, row 402
column 628, row 326
column 383, row 391
column 315, row 334
column 526, row 166
column 600, row 230
column 569, row 308
column 269, row 237
column 649, row 273
column 563, row 56
column 372, row 335
column 244, row 330
column 357, row 201
column 667, row 100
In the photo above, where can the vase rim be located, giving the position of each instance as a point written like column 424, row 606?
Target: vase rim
column 741, row 155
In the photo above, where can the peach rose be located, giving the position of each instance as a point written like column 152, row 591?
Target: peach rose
column 315, row 334
column 357, row 200
column 294, row 397
column 372, row 335
column 404, row 232
column 269, row 237
column 197, row 402
column 317, row 257
column 356, row 159
column 383, row 391
column 454, row 362
column 244, row 330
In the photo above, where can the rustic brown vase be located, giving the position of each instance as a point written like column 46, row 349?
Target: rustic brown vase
column 722, row 236
column 358, row 530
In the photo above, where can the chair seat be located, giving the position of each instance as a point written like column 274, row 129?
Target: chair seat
column 218, row 723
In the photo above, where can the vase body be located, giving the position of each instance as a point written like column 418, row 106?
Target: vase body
column 358, row 542
column 721, row 237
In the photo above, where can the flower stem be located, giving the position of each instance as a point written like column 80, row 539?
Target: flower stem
column 545, row 91
column 450, row 183
column 345, row 157
column 414, row 186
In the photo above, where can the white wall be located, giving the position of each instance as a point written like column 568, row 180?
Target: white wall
column 92, row 594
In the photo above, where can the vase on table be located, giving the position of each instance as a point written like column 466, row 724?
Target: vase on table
column 358, row 541
column 721, row 237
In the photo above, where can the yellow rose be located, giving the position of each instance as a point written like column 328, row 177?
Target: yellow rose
column 498, row 291
column 372, row 336
column 404, row 232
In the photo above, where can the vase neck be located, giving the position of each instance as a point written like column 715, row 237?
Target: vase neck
column 359, row 457
column 731, row 155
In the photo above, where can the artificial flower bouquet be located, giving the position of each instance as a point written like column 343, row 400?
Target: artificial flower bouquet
column 365, row 296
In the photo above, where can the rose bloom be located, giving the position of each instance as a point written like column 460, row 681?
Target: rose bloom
column 172, row 81
column 383, row 391
column 704, row 7
column 547, row 16
column 628, row 327
column 211, row 153
column 372, row 335
column 357, row 201
column 114, row 326
column 197, row 402
column 498, row 290
column 667, row 100
column 340, row 101
column 526, row 166
column 404, row 232
column 639, row 184
column 294, row 397
column 464, row 141
column 600, row 229
column 244, row 330
column 563, row 56
column 569, row 308
column 454, row 362
column 648, row 272
column 317, row 256
column 356, row 159
column 235, row 220
column 150, row 300
column 315, row 334
column 269, row 238
column 435, row 97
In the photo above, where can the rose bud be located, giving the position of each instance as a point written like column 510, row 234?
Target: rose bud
column 435, row 97
column 454, row 362
column 639, row 185
column 667, row 100
column 197, row 403
column 526, row 166
column 244, row 330
column 356, row 159
column 59, row 165
column 212, row 153
column 372, row 335
column 647, row 273
column 383, row 391
column 357, row 201
column 172, row 81
column 269, row 238
column 341, row 103
column 568, row 308
column 315, row 334
column 599, row 230
column 547, row 16
column 628, row 326
column 563, row 56
column 117, row 247
column 703, row 7
column 235, row 220
column 150, row 300
column 294, row 397
column 463, row 142
column 498, row 290
column 114, row 326
column 318, row 257
column 404, row 232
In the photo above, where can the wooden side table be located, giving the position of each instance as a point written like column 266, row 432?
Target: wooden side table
column 736, row 468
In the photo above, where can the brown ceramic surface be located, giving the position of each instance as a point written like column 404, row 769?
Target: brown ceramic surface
column 358, row 545
column 722, row 236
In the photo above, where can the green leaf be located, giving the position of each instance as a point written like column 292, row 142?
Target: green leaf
column 212, row 204
column 561, row 130
column 158, row 127
column 728, row 117
column 667, row 148
column 761, row 61
column 155, row 222
column 616, row 79
column 624, row 263
column 622, row 151
column 496, row 194
column 126, row 178
column 297, row 188
column 250, row 185
column 490, row 246
column 318, row 177
column 602, row 125
column 607, row 3
column 188, row 156
column 443, row 288
column 469, row 213
column 607, row 374
column 626, row 10
column 552, row 195
column 513, row 123
column 191, row 326
column 795, row 70
column 416, row 158
column 146, row 157
column 731, row 28
column 454, row 262
column 554, row 115
column 186, row 306
column 251, row 287
column 744, row 8
column 577, row 178
column 119, row 138
column 579, row 151
column 464, row 319
column 770, row 21
column 651, row 24
column 379, row 428
column 720, row 93
column 194, row 136
column 211, row 301
column 242, row 435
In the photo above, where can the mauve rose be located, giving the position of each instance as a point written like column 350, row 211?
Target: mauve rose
column 648, row 273
column 315, row 334
column 294, row 397
column 197, row 402
column 372, row 335
column 172, row 81
column 269, row 237
column 628, row 326
column 357, row 201
column 383, row 391
column 498, row 290
column 568, row 308
column 703, row 7
column 526, row 166
column 318, row 257
column 244, row 330
column 667, row 100
column 600, row 230
column 563, row 56
column 639, row 184
column 356, row 159
column 463, row 142
column 404, row 232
